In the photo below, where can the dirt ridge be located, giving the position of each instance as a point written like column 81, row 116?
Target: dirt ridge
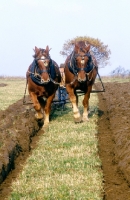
column 114, row 146
column 17, row 126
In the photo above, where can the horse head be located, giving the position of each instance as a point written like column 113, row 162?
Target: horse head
column 42, row 60
column 81, row 59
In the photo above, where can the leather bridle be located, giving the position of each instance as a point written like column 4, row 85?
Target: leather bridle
column 35, row 72
column 43, row 70
column 73, row 65
column 83, row 68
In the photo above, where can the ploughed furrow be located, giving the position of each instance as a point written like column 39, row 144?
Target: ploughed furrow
column 114, row 140
column 17, row 127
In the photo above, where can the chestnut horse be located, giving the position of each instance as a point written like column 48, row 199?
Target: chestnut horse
column 80, row 74
column 43, row 78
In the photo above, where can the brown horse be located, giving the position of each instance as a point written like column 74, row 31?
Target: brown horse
column 43, row 78
column 80, row 74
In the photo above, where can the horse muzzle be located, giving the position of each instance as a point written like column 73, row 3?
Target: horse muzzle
column 81, row 80
column 45, row 81
column 46, row 63
column 81, row 75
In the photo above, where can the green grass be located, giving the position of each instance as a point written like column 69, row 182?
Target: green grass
column 65, row 164
column 12, row 92
column 15, row 88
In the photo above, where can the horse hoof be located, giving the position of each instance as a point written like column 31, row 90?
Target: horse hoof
column 85, row 119
column 78, row 120
column 41, row 132
column 45, row 128
column 38, row 117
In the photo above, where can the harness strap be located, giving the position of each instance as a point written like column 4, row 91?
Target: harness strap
column 24, row 101
column 35, row 74
column 55, row 82
column 75, row 77
column 90, row 72
column 73, row 80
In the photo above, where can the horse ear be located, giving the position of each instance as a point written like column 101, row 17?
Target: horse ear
column 47, row 48
column 87, row 47
column 76, row 47
column 36, row 50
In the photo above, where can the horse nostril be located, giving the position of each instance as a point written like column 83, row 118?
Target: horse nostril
column 81, row 80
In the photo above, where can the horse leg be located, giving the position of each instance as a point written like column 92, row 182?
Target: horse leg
column 86, row 104
column 74, row 100
column 47, row 110
column 37, row 106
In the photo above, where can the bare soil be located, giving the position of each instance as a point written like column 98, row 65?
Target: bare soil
column 113, row 135
column 114, row 140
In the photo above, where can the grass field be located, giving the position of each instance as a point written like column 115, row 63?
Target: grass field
column 15, row 88
column 12, row 92
column 65, row 164
column 118, row 79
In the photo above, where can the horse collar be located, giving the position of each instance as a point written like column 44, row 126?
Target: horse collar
column 35, row 73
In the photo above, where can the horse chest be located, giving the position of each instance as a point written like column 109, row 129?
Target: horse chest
column 41, row 92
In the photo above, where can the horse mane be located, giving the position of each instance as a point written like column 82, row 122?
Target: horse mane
column 81, row 43
column 41, row 50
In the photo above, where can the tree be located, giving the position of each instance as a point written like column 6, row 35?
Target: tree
column 98, row 49
column 120, row 71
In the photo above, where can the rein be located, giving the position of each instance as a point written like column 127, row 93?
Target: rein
column 75, row 77
column 53, row 81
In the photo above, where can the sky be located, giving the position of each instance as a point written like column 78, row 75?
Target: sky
column 25, row 24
